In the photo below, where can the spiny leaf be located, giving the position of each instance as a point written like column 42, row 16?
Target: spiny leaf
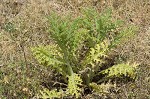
column 96, row 54
column 50, row 56
column 47, row 54
column 120, row 70
column 46, row 94
column 73, row 85
column 101, row 88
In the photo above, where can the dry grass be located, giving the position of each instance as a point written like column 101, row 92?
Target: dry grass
column 29, row 19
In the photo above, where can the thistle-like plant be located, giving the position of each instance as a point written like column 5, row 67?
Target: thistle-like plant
column 80, row 47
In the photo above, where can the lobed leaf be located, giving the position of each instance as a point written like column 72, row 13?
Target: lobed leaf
column 120, row 70
column 74, row 81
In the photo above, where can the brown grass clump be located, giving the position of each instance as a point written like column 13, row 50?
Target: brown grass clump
column 23, row 24
column 137, row 49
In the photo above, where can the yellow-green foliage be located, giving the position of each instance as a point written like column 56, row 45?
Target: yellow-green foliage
column 73, row 89
column 45, row 94
column 73, row 85
column 49, row 56
column 96, row 55
column 121, row 70
column 101, row 88
column 91, row 33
